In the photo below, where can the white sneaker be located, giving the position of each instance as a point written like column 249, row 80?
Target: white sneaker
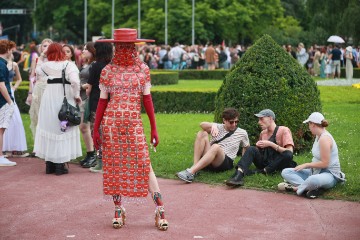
column 284, row 186
column 4, row 162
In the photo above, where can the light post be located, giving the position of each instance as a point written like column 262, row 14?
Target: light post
column 85, row 21
column 112, row 17
column 193, row 23
column 139, row 18
column 166, row 28
column 51, row 31
column 34, row 19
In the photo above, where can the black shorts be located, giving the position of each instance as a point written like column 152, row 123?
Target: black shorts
column 227, row 164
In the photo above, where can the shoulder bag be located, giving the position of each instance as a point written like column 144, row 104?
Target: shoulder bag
column 67, row 111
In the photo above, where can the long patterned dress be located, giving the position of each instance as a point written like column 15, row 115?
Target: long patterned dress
column 126, row 162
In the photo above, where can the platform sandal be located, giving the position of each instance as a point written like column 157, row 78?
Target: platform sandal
column 119, row 219
column 160, row 222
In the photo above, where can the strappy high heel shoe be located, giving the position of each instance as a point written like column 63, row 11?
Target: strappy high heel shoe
column 119, row 219
column 160, row 222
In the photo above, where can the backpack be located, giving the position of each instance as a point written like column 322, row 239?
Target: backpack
column 165, row 58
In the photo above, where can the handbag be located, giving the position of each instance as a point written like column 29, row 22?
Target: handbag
column 67, row 111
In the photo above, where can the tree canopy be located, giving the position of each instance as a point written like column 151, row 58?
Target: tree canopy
column 239, row 21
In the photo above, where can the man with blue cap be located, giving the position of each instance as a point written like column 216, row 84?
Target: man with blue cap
column 273, row 152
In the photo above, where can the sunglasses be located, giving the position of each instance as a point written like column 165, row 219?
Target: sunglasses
column 232, row 121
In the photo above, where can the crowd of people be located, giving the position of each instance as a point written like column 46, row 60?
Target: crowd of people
column 326, row 61
column 109, row 79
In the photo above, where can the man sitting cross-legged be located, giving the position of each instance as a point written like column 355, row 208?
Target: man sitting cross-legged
column 273, row 151
column 218, row 153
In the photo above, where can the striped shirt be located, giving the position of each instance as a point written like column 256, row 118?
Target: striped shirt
column 231, row 145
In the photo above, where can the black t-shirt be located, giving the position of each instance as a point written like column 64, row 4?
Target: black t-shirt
column 336, row 54
column 94, row 78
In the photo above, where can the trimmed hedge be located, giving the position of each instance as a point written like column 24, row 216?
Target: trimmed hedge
column 178, row 102
column 356, row 73
column 164, row 78
column 20, row 97
column 191, row 74
column 165, row 102
column 267, row 77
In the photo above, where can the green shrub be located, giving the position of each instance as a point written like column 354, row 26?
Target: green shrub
column 190, row 74
column 20, row 97
column 203, row 74
column 180, row 102
column 164, row 78
column 267, row 77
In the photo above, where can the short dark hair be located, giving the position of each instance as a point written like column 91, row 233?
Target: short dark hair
column 230, row 113
column 104, row 51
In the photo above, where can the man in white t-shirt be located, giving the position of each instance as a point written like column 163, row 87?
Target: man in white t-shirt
column 218, row 153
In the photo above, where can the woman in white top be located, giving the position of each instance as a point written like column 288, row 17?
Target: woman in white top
column 51, row 143
column 323, row 172
column 349, row 66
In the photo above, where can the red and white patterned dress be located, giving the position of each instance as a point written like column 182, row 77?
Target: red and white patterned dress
column 126, row 162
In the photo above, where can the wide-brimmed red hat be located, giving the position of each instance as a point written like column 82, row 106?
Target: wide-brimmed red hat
column 127, row 35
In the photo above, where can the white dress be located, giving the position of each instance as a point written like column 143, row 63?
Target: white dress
column 38, row 91
column 14, row 136
column 51, row 143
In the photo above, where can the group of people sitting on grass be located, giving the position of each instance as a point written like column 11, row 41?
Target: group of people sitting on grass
column 273, row 152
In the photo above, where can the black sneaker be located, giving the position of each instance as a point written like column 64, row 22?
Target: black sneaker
column 312, row 194
column 82, row 162
column 91, row 162
column 236, row 179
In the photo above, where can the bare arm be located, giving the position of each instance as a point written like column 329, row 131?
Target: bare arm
column 17, row 76
column 206, row 126
column 88, row 89
column 5, row 93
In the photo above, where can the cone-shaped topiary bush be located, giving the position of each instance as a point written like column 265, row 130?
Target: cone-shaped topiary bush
column 268, row 77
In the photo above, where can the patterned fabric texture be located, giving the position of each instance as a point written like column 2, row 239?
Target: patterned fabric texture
column 126, row 162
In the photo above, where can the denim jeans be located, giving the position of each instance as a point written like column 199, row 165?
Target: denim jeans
column 305, row 181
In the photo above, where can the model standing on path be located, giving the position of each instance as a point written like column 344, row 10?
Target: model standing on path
column 127, row 171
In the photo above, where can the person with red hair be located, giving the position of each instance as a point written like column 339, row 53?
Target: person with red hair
column 52, row 143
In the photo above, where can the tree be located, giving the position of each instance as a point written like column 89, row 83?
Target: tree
column 267, row 77
column 63, row 18
column 17, row 27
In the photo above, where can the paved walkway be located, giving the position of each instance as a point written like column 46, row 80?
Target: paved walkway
column 338, row 82
column 34, row 205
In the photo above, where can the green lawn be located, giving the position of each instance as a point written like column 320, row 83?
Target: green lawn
column 341, row 106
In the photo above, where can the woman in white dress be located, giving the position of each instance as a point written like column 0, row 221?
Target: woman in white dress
column 37, row 85
column 51, row 143
column 349, row 66
column 14, row 137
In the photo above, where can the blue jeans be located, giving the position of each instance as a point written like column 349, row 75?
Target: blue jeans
column 305, row 181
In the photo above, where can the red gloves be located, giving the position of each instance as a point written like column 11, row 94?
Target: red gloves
column 149, row 108
column 102, row 104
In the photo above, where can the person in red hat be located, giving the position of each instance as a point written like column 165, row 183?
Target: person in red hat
column 127, row 170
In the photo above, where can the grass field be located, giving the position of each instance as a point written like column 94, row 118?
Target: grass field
column 341, row 106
